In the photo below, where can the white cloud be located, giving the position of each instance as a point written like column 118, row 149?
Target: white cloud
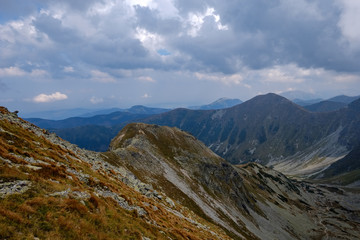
column 43, row 98
column 103, row 77
column 150, row 41
column 18, row 72
column 234, row 79
column 12, row 72
column 196, row 20
column 146, row 96
column 289, row 73
column 349, row 22
column 69, row 69
column 165, row 8
column 347, row 78
column 96, row 100
column 146, row 79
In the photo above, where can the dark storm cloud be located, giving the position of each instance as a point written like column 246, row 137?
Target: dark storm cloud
column 302, row 32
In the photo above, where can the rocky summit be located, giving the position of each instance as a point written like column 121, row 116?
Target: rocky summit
column 155, row 182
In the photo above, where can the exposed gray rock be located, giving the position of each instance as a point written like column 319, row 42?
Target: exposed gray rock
column 80, row 195
column 121, row 201
column 63, row 194
column 14, row 187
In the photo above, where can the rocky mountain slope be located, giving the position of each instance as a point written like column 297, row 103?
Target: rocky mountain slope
column 272, row 130
column 51, row 189
column 155, row 183
column 250, row 201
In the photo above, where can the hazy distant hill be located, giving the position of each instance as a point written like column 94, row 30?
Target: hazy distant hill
column 111, row 119
column 344, row 99
column 138, row 109
column 218, row 104
column 101, row 120
column 325, row 106
column 57, row 114
column 296, row 94
column 331, row 104
column 302, row 102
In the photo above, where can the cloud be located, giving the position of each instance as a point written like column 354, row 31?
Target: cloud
column 11, row 72
column 284, row 74
column 259, row 46
column 347, row 78
column 146, row 79
column 146, row 96
column 349, row 18
column 69, row 69
column 43, row 98
column 234, row 79
column 96, row 100
column 18, row 72
column 102, row 77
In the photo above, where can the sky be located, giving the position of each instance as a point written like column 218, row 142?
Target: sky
column 58, row 54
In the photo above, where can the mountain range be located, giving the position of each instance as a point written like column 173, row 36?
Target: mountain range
column 272, row 130
column 155, row 182
column 268, row 129
column 219, row 104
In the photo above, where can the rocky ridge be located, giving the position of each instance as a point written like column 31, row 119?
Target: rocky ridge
column 52, row 189
column 250, row 201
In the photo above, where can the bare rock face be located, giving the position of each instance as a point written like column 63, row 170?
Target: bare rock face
column 250, row 201
column 13, row 187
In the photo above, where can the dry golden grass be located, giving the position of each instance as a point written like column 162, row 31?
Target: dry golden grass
column 36, row 214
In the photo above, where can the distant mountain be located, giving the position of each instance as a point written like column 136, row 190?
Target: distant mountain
column 329, row 105
column 271, row 130
column 325, row 106
column 218, row 104
column 83, row 112
column 302, row 102
column 111, row 119
column 291, row 95
column 101, row 120
column 344, row 99
column 98, row 112
column 137, row 109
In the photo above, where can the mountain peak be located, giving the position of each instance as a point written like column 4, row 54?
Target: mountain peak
column 166, row 139
column 270, row 100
